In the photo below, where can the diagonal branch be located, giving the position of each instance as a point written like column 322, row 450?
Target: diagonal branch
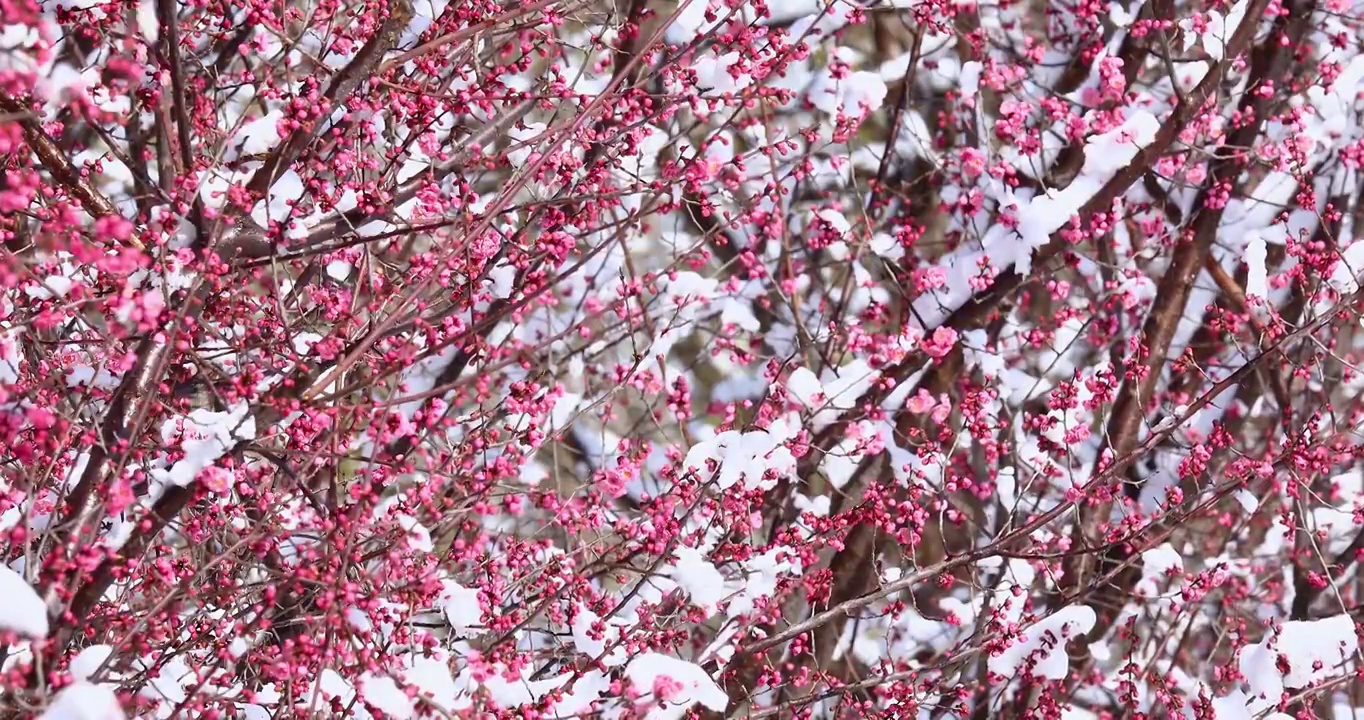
column 357, row 71
column 981, row 306
column 1001, row 546
column 58, row 165
column 1176, row 284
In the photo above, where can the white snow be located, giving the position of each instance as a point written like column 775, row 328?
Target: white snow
column 432, row 678
column 852, row 95
column 522, row 691
column 207, row 436
column 970, row 78
column 1045, row 643
column 915, row 138
column 697, row 686
column 1345, row 276
column 525, row 138
column 804, row 386
column 1219, row 30
column 714, row 77
column 258, row 136
column 588, row 644
column 503, row 278
column 22, row 611
column 383, row 693
column 1119, row 15
column 1333, row 120
column 586, row 690
column 699, row 578
column 418, row 535
column 1257, row 277
column 886, row 246
column 53, row 286
column 1161, row 560
column 744, row 457
column 304, row 341
column 10, row 355
column 817, row 18
column 88, row 660
column 1312, row 650
column 1104, row 155
column 691, row 21
column 1038, row 217
column 761, row 574
column 84, row 701
column 1247, row 500
column 278, row 204
column 835, row 219
column 461, row 608
column 1108, row 153
column 339, row 270
column 1157, row 565
column 330, row 684
column 836, row 391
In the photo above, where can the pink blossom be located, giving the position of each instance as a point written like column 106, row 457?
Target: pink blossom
column 940, row 343
column 113, row 227
column 540, row 359
column 972, row 163
column 921, row 402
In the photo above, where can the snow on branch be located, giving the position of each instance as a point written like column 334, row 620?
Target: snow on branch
column 718, row 358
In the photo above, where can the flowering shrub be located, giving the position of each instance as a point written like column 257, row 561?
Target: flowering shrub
column 931, row 358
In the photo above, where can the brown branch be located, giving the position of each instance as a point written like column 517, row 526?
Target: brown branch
column 168, row 11
column 1000, row 547
column 981, row 305
column 1132, row 52
column 1130, row 407
column 1306, row 592
column 896, row 119
column 358, row 70
column 852, row 565
column 163, row 511
column 59, row 166
column 627, row 66
column 465, row 33
column 1229, row 287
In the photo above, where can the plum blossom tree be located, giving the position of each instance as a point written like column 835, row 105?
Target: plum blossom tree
column 643, row 359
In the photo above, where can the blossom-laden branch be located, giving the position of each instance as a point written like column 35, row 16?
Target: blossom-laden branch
column 58, row 165
column 752, row 358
